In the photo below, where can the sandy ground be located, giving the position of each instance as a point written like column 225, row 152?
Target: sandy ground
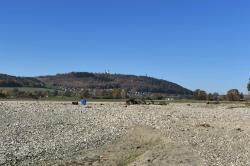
column 57, row 133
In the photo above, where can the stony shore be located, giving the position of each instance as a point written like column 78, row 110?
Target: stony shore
column 58, row 133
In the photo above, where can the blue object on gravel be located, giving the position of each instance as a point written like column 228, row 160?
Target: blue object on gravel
column 84, row 102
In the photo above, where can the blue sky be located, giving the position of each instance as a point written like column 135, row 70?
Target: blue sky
column 195, row 43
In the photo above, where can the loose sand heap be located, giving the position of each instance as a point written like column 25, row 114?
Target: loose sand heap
column 54, row 133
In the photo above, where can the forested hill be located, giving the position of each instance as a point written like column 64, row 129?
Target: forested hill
column 85, row 80
column 13, row 81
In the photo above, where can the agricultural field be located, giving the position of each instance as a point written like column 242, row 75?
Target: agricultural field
column 112, row 133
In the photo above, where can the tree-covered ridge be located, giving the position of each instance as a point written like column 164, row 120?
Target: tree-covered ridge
column 87, row 80
column 12, row 81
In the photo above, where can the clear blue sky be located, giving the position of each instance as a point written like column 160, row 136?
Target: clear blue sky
column 195, row 43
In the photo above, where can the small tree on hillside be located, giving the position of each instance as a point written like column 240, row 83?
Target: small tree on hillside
column 216, row 96
column 248, row 86
column 233, row 95
column 242, row 96
column 2, row 95
column 107, row 94
column 39, row 94
column 117, row 93
column 54, row 93
column 210, row 97
column 67, row 93
column 200, row 94
column 124, row 93
column 85, row 94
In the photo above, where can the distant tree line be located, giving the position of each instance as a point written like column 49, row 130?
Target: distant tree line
column 116, row 93
column 10, row 93
column 232, row 95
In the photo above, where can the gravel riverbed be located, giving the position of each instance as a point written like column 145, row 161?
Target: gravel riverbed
column 58, row 133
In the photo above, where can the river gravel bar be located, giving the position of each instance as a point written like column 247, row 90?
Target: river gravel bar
column 59, row 133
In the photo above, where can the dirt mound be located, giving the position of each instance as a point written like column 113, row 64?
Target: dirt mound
column 141, row 146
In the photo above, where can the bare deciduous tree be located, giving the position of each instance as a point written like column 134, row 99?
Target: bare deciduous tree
column 233, row 95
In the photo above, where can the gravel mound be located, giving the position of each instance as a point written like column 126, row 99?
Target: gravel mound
column 52, row 133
